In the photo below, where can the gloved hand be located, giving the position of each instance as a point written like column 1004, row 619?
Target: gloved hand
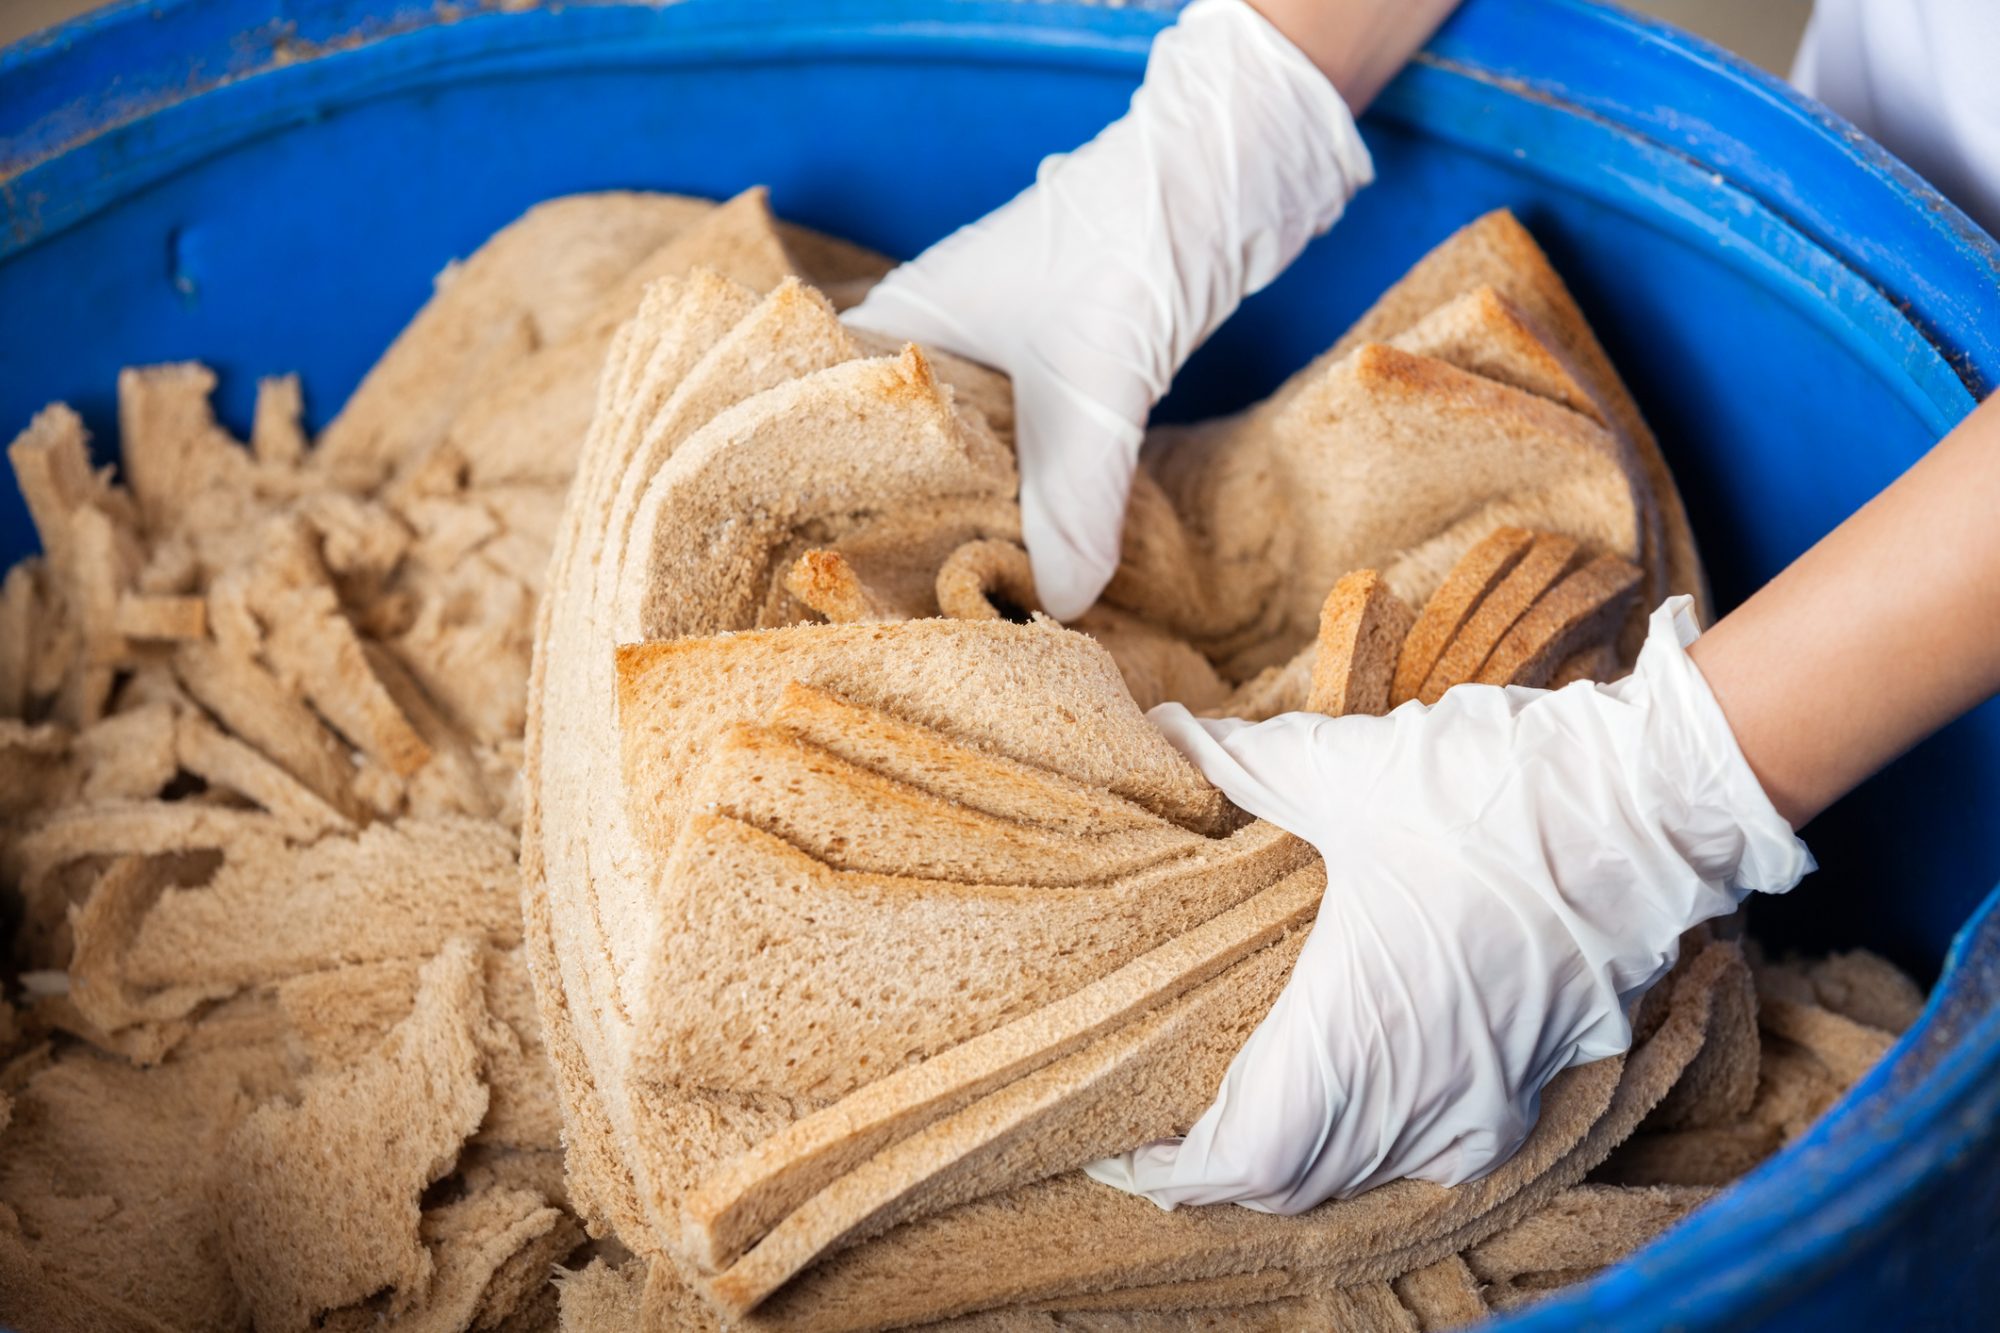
column 1507, row 871
column 1092, row 286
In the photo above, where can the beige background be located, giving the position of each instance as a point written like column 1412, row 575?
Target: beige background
column 1766, row 31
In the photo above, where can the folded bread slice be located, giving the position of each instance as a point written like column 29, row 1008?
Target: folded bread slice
column 1382, row 460
column 1069, row 1236
column 1495, row 251
column 1487, row 302
column 697, row 348
column 751, row 1193
column 1361, row 631
column 853, row 818
column 681, row 438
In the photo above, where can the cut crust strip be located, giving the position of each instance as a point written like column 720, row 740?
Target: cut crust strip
column 1476, row 574
column 1361, row 632
column 973, row 575
column 1547, row 559
column 1586, row 608
column 824, row 581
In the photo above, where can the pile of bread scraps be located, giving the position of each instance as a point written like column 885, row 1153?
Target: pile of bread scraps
column 275, row 1058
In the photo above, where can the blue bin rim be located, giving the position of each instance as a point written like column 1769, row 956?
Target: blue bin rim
column 74, row 93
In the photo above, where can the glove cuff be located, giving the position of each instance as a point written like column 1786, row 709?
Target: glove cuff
column 1770, row 857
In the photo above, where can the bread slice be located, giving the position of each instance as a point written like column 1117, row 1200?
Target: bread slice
column 1867, row 988
column 1690, row 1157
column 88, row 532
column 109, row 1180
column 1846, row 1048
column 143, row 616
column 722, row 817
column 751, row 1193
column 1587, row 607
column 852, row 818
column 1597, row 662
column 1442, row 1295
column 1720, row 1086
column 1585, row 1226
column 271, row 911
column 964, row 773
column 969, row 681
column 1032, row 1238
column 492, row 1251
column 309, row 639
column 1541, row 568
column 299, row 1243
column 339, row 1014
column 1495, row 250
column 744, row 926
column 104, row 929
column 253, row 705
column 532, row 282
column 694, row 348
column 1097, row 1100
column 184, row 470
column 1488, row 334
column 529, row 423
column 1156, row 666
column 1361, row 631
column 683, row 363
column 228, row 765
column 130, row 828
column 1476, row 574
column 1384, row 460
column 749, row 481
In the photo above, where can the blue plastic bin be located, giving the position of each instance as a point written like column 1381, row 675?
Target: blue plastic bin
column 269, row 185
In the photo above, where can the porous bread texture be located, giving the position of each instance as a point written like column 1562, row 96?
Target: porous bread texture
column 299, row 1243
column 260, row 729
column 729, row 824
column 1032, row 1238
column 630, row 547
column 1496, row 252
column 261, row 714
column 339, row 1014
column 1361, row 631
column 1387, row 460
column 747, row 1157
column 108, row 1176
column 1228, row 513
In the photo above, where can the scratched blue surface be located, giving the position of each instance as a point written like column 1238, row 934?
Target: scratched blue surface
column 269, row 185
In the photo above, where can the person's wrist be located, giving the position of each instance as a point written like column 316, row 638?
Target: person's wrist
column 1358, row 45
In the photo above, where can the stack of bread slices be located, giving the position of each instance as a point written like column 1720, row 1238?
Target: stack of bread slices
column 866, row 907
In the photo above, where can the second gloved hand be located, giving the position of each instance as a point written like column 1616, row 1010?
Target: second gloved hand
column 1507, row 871
column 1092, row 286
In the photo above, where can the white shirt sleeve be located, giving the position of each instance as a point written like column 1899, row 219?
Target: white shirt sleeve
column 1921, row 77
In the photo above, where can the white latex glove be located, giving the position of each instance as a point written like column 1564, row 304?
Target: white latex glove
column 1507, row 871
column 1091, row 287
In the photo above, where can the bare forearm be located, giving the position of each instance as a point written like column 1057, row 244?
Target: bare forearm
column 1880, row 634
column 1358, row 44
